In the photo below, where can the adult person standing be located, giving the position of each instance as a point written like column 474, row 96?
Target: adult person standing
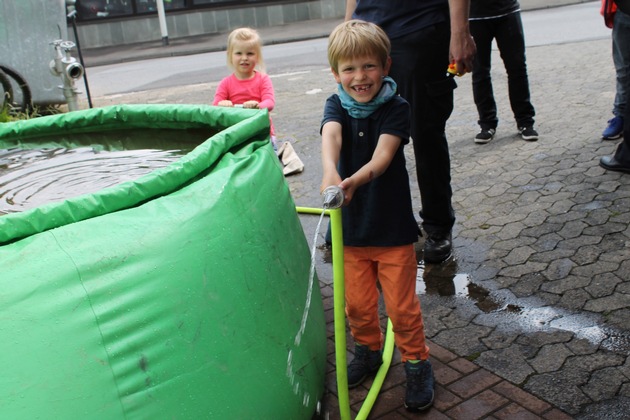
column 620, row 160
column 500, row 20
column 620, row 24
column 426, row 37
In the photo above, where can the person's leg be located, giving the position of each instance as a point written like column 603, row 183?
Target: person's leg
column 620, row 160
column 362, row 296
column 483, row 33
column 397, row 271
column 419, row 64
column 511, row 43
column 621, row 59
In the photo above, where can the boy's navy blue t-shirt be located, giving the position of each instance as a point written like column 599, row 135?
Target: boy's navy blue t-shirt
column 381, row 211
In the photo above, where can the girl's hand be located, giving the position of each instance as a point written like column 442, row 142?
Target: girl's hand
column 250, row 104
column 225, row 102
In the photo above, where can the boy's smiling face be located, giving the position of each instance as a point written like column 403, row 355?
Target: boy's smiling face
column 361, row 77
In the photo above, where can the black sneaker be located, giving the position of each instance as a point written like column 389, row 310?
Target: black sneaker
column 485, row 135
column 438, row 248
column 420, row 385
column 365, row 363
column 528, row 133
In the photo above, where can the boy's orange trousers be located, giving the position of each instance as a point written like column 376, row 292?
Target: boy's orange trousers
column 395, row 268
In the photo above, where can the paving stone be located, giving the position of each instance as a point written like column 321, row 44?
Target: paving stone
column 445, row 374
column 556, row 414
column 515, row 411
column 519, row 255
column 559, row 269
column 478, row 406
column 565, row 284
column 613, row 409
column 574, row 299
column 522, row 269
column 528, row 401
column 572, row 229
column 562, row 388
column 603, row 285
column 604, row 384
column 464, row 366
column 497, row 340
column 546, row 241
column 509, row 363
column 463, row 341
column 440, row 353
column 550, row 358
column 608, row 303
column 445, row 399
column 581, row 346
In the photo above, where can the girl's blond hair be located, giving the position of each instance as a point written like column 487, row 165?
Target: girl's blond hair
column 250, row 38
column 357, row 38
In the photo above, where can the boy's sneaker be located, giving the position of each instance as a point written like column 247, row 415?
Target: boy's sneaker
column 365, row 363
column 528, row 133
column 614, row 130
column 420, row 385
column 485, row 135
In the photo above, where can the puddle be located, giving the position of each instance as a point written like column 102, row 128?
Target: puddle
column 444, row 281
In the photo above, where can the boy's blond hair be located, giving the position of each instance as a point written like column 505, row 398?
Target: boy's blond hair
column 357, row 38
column 250, row 38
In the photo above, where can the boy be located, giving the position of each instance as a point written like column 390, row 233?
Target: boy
column 364, row 129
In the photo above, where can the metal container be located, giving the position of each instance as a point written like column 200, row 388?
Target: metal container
column 27, row 30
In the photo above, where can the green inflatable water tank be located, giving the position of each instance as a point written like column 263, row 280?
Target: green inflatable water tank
column 184, row 294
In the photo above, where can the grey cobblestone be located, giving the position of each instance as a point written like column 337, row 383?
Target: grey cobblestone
column 550, row 358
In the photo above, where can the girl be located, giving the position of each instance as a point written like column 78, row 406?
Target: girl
column 248, row 86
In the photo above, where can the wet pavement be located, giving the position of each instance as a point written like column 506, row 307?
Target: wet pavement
column 530, row 317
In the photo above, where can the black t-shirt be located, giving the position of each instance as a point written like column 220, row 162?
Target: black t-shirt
column 402, row 17
column 381, row 212
column 492, row 8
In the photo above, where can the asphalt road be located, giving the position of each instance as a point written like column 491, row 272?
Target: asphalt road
column 558, row 25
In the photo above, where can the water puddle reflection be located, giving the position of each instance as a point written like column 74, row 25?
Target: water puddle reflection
column 443, row 280
column 510, row 314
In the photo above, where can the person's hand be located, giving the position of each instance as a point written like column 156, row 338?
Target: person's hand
column 462, row 51
column 349, row 187
column 225, row 102
column 250, row 104
column 328, row 180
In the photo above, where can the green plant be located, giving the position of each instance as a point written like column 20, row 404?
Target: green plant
column 9, row 114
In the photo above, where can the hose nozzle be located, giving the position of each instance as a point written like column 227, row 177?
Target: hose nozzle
column 333, row 197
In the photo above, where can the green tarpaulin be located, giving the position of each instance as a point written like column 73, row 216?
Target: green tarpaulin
column 184, row 294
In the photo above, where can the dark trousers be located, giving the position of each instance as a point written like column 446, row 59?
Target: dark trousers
column 622, row 154
column 419, row 63
column 508, row 33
